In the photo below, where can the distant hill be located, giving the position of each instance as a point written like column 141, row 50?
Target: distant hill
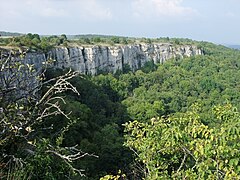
column 4, row 33
column 234, row 46
column 91, row 36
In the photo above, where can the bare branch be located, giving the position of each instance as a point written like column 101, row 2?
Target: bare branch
column 183, row 160
column 73, row 157
column 60, row 86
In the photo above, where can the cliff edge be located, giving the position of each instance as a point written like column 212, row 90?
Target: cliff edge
column 92, row 59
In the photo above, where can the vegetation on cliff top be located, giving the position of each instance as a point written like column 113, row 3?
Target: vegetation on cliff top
column 36, row 42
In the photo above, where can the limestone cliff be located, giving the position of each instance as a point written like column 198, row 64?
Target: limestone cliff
column 89, row 60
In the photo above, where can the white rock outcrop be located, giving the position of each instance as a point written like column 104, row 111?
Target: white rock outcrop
column 91, row 60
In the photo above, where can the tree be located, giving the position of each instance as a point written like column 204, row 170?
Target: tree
column 63, row 36
column 149, row 66
column 96, row 39
column 87, row 40
column 45, row 45
column 63, row 39
column 24, row 107
column 124, row 40
column 181, row 146
column 115, row 40
column 177, row 41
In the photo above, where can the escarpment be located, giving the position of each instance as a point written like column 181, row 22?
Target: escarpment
column 91, row 60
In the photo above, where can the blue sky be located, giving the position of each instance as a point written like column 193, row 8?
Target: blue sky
column 209, row 20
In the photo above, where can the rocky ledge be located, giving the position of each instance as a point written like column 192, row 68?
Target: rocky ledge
column 91, row 60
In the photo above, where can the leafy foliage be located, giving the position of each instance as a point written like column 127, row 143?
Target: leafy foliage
column 181, row 146
column 25, row 153
column 33, row 42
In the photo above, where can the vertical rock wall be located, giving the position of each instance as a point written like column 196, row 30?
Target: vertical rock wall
column 91, row 60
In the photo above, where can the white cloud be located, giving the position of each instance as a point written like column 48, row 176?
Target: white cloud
column 75, row 9
column 169, row 8
column 230, row 14
column 93, row 9
column 51, row 12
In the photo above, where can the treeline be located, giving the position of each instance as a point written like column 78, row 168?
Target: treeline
column 34, row 42
column 118, row 40
column 4, row 33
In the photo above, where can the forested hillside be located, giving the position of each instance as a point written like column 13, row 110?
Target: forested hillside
column 4, row 33
column 176, row 120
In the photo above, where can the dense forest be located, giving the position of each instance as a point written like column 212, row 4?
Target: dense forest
column 176, row 120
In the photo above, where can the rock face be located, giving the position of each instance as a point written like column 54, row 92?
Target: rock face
column 91, row 60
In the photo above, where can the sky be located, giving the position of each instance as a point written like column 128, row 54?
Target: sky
column 216, row 21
